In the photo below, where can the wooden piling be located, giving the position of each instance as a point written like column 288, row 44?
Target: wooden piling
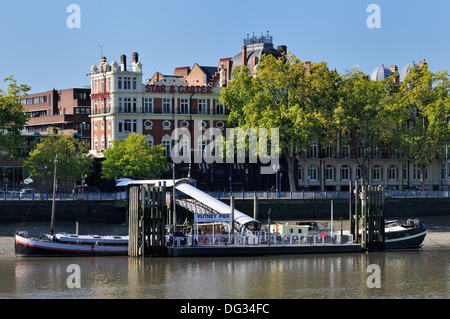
column 147, row 221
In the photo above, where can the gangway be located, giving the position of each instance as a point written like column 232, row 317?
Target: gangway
column 198, row 202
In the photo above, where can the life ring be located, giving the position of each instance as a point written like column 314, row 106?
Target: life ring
column 216, row 241
column 324, row 237
column 23, row 233
column 205, row 240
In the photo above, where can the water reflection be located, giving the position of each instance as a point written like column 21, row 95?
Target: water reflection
column 420, row 274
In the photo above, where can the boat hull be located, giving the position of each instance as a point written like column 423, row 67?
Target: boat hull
column 409, row 238
column 30, row 247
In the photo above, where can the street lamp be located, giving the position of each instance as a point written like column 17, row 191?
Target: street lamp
column 231, row 180
column 276, row 168
column 43, row 177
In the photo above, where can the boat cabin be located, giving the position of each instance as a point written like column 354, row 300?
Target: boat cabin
column 288, row 229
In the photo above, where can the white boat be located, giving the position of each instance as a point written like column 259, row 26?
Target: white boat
column 63, row 244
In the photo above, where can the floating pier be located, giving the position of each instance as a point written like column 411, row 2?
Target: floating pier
column 227, row 232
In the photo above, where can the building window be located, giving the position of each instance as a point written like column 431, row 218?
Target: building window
column 314, row 153
column 148, row 105
column 346, row 151
column 358, row 173
column 416, row 172
column 134, row 84
column 329, row 151
column 313, row 173
column 119, row 83
column 184, row 106
column 166, row 125
column 202, row 106
column 109, row 105
column 376, row 173
column 109, row 84
column 220, row 125
column 202, row 125
column 148, row 125
column 166, row 106
column 127, row 126
column 329, row 173
column 220, row 108
column 184, row 124
column 345, row 173
column 166, row 143
column 392, row 173
column 405, row 172
column 120, row 105
column 201, row 145
column 127, row 83
column 149, row 140
column 300, row 173
column 130, row 105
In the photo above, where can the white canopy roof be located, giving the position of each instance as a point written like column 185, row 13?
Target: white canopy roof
column 183, row 185
column 213, row 203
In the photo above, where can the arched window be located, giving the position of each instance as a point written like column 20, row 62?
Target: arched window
column 345, row 173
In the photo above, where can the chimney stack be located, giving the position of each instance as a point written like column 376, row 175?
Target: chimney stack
column 123, row 61
column 282, row 49
column 135, row 57
column 393, row 68
column 102, row 64
column 308, row 67
column 244, row 55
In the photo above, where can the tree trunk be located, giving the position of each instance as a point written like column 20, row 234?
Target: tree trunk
column 291, row 173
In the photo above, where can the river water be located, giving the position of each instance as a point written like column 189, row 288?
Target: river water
column 393, row 274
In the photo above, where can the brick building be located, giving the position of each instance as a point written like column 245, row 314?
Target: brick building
column 55, row 111
column 66, row 110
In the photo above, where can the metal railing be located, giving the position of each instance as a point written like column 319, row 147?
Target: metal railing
column 263, row 238
column 325, row 194
column 65, row 196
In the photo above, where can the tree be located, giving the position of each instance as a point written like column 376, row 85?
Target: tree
column 365, row 117
column 134, row 159
column 284, row 94
column 73, row 157
column 425, row 130
column 12, row 115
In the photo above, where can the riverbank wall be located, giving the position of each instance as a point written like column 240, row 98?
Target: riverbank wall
column 110, row 211
column 92, row 211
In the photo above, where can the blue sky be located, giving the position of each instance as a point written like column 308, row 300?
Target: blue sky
column 38, row 48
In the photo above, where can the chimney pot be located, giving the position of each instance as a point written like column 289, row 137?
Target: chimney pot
column 244, row 55
column 123, row 61
column 135, row 57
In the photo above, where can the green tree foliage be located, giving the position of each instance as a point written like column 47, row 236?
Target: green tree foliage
column 425, row 130
column 365, row 118
column 12, row 115
column 73, row 158
column 287, row 96
column 134, row 159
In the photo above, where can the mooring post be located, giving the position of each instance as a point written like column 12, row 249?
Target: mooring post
column 255, row 207
column 232, row 214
